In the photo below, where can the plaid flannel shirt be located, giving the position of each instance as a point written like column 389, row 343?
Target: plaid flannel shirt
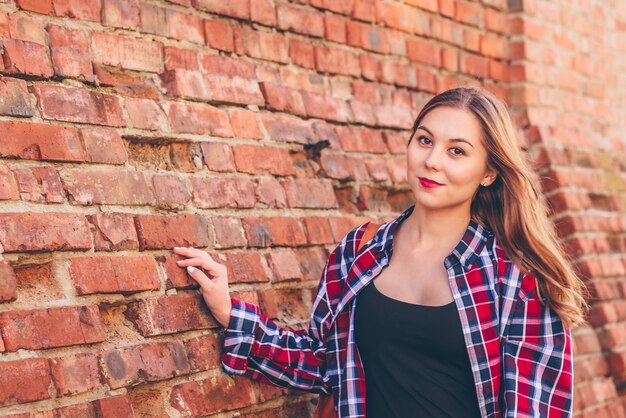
column 520, row 351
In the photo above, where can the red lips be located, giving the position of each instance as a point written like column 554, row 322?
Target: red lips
column 426, row 182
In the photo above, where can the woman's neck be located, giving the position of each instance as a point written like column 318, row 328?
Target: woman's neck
column 439, row 230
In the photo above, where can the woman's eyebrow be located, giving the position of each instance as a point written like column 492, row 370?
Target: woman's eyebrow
column 451, row 139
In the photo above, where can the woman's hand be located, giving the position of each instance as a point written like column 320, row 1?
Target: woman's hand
column 214, row 287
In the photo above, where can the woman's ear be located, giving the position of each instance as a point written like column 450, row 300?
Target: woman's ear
column 489, row 178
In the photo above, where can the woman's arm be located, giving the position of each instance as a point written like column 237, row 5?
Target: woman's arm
column 256, row 347
column 537, row 360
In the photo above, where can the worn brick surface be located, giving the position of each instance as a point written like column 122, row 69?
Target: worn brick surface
column 52, row 327
column 262, row 131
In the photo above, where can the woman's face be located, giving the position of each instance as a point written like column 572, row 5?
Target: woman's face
column 448, row 149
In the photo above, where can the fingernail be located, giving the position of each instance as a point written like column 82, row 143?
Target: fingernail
column 190, row 269
column 179, row 261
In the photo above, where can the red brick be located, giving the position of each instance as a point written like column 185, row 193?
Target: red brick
column 363, row 10
column 78, row 105
column 317, row 230
column 8, row 184
column 200, row 398
column 335, row 28
column 342, row 7
column 263, row 11
column 145, row 114
column 196, row 118
column 103, row 146
column 171, row 23
column 374, row 199
column 34, row 141
column 24, row 57
column 126, row 274
column 219, row 35
column 377, row 169
column 276, row 230
column 188, row 84
column 144, row 363
column 218, row 157
column 287, row 129
column 69, row 49
column 394, row 116
column 86, row 187
column 114, row 232
column 234, row 8
column 397, row 16
column 370, row 67
column 284, row 265
column 270, row 193
column 474, row 65
column 170, row 191
column 336, row 61
column 300, row 20
column 78, row 9
column 245, row 124
column 75, row 374
column 494, row 46
column 126, row 52
column 72, row 411
column 470, row 13
column 304, row 193
column 238, row 90
column 148, row 403
column 14, row 98
column 24, row 381
column 21, row 232
column 157, row 232
column 180, row 58
column 114, row 407
column 301, row 53
column 121, row 13
column 228, row 232
column 223, row 192
column 496, row 21
column 8, row 282
column 254, row 160
column 40, row 184
column 52, row 327
column 367, row 37
column 285, row 305
column 244, row 267
column 169, row 314
column 429, row 5
column 361, row 139
column 283, row 99
column 262, row 45
column 37, row 6
column 203, row 352
column 228, row 66
column 125, row 83
column 175, row 276
column 326, row 107
column 424, row 52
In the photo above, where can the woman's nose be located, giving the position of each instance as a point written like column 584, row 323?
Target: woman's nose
column 433, row 160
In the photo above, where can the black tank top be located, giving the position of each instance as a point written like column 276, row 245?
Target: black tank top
column 414, row 357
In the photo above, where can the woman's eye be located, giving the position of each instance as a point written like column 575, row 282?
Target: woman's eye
column 458, row 151
column 422, row 139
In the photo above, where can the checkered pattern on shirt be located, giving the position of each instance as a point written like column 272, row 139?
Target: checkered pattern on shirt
column 519, row 350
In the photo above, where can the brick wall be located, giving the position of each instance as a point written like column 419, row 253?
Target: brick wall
column 128, row 127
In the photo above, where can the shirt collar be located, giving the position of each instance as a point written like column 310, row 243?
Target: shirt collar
column 465, row 252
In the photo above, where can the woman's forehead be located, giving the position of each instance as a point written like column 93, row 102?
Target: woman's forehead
column 450, row 123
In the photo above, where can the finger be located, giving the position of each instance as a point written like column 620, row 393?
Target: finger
column 200, row 277
column 211, row 267
column 192, row 252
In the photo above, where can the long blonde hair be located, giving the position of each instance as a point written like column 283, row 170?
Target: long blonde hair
column 513, row 208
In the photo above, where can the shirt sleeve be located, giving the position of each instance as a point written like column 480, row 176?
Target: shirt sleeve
column 256, row 347
column 537, row 360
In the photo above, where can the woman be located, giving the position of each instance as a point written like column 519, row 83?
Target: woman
column 470, row 317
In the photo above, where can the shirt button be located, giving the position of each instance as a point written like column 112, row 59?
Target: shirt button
column 369, row 272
